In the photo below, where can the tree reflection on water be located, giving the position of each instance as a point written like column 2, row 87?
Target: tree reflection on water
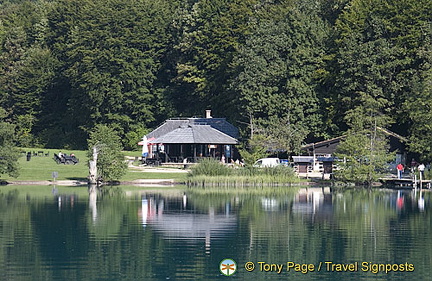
column 119, row 234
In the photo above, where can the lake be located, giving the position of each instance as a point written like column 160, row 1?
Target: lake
column 137, row 233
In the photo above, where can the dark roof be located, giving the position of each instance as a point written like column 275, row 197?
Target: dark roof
column 167, row 127
column 219, row 124
column 204, row 134
column 324, row 142
column 329, row 146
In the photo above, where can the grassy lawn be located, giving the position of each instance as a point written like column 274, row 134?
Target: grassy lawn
column 40, row 168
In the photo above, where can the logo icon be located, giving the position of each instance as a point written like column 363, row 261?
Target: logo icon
column 228, row 267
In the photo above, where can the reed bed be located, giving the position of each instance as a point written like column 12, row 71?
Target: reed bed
column 211, row 173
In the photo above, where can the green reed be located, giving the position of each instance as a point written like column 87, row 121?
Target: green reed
column 211, row 173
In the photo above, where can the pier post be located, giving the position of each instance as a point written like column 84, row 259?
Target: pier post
column 421, row 180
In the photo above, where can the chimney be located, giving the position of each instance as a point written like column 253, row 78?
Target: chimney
column 208, row 113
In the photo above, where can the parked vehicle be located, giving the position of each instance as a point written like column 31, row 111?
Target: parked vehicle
column 267, row 162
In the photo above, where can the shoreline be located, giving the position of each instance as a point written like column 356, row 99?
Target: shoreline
column 162, row 182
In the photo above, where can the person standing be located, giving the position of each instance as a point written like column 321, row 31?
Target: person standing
column 421, row 169
column 400, row 169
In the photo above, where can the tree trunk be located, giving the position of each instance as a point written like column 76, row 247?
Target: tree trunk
column 93, row 177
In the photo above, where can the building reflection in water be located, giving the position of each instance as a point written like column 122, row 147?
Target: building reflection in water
column 174, row 219
column 64, row 201
column 185, row 218
column 314, row 203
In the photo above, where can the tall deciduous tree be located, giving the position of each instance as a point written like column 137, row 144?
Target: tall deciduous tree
column 27, row 67
column 8, row 153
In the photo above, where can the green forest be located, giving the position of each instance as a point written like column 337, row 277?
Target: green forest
column 284, row 71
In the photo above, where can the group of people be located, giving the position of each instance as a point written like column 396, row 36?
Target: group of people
column 232, row 162
column 62, row 158
column 414, row 165
column 62, row 155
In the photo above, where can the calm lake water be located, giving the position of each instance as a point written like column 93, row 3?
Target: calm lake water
column 131, row 233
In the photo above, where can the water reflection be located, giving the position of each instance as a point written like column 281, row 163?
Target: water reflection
column 63, row 200
column 113, row 234
column 93, row 190
column 312, row 201
column 173, row 218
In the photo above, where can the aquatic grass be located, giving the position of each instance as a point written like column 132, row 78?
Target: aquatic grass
column 214, row 174
column 210, row 167
column 240, row 181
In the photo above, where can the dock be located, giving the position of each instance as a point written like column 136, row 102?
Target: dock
column 406, row 183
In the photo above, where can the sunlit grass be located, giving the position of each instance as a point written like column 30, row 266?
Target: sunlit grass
column 41, row 168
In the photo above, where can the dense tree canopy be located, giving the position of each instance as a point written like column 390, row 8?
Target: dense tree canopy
column 287, row 71
column 111, row 53
column 280, row 66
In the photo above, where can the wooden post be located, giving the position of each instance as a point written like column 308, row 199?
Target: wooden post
column 421, row 180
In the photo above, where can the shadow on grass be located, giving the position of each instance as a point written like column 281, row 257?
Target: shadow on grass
column 77, row 178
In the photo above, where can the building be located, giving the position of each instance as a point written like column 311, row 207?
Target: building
column 320, row 155
column 184, row 140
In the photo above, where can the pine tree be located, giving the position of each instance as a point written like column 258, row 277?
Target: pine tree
column 279, row 69
column 365, row 148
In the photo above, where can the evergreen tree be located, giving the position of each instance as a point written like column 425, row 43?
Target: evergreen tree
column 375, row 52
column 280, row 66
column 419, row 107
column 208, row 34
column 365, row 149
column 111, row 51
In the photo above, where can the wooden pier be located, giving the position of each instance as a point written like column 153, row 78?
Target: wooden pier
column 406, row 183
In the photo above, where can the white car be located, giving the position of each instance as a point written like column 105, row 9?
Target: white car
column 267, row 162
